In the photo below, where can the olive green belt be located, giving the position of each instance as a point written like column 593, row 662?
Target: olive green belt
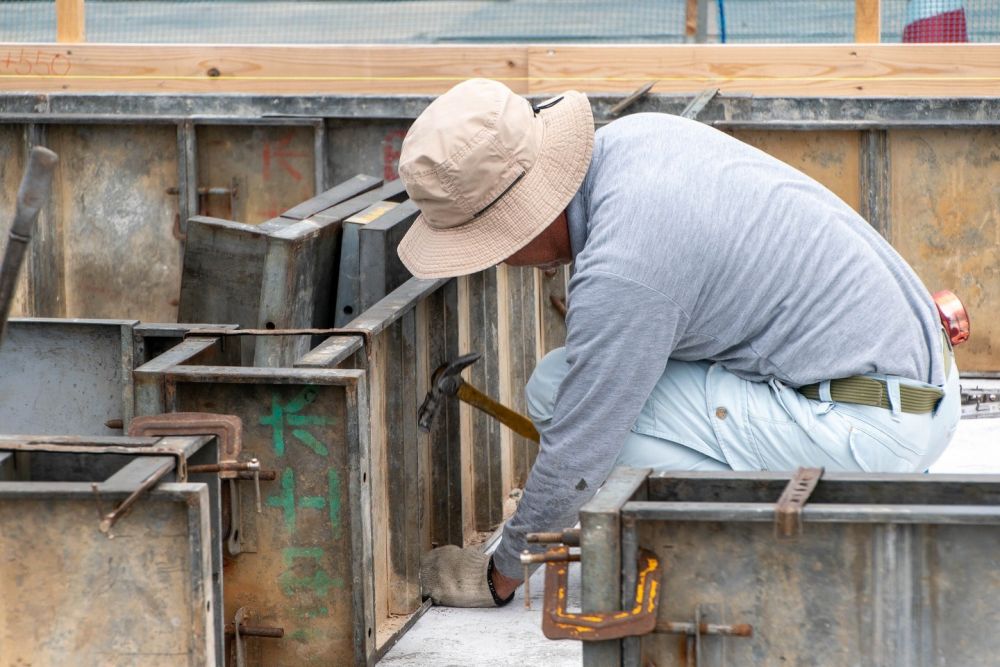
column 865, row 390
column 872, row 391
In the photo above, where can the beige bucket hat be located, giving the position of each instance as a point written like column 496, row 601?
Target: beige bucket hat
column 489, row 172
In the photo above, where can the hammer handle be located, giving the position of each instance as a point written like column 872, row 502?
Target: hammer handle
column 512, row 420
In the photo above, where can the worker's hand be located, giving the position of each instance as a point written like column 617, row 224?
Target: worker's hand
column 456, row 577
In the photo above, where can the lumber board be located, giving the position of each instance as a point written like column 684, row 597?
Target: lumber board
column 763, row 69
column 517, row 350
column 795, row 70
column 377, row 392
column 289, row 69
column 402, row 480
column 441, row 321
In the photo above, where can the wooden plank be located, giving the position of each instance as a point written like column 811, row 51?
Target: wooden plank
column 70, row 21
column 551, row 323
column 45, row 288
column 517, row 351
column 13, row 152
column 487, row 487
column 874, row 181
column 402, row 466
column 814, row 70
column 867, row 21
column 382, row 68
column 377, row 392
column 445, row 436
column 946, row 224
column 465, row 412
column 896, row 70
column 832, row 158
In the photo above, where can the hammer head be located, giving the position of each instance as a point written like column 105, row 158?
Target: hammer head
column 445, row 382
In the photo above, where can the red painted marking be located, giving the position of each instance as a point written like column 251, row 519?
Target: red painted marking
column 279, row 153
column 392, row 143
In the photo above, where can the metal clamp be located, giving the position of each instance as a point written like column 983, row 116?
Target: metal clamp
column 788, row 511
column 227, row 428
column 558, row 623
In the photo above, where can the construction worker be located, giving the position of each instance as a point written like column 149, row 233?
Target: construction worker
column 726, row 312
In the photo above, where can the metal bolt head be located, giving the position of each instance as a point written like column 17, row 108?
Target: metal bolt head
column 721, row 413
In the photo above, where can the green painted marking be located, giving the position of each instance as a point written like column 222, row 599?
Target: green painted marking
column 312, row 502
column 282, row 415
column 289, row 554
column 314, row 613
column 319, row 583
column 307, row 439
column 300, row 636
column 286, row 498
column 276, row 420
column 334, row 501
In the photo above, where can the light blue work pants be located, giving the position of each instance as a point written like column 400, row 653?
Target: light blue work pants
column 702, row 417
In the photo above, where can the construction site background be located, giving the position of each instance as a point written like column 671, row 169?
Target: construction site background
column 480, row 21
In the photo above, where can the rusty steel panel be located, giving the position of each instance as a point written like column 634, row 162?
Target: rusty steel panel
column 253, row 173
column 301, row 574
column 119, row 224
column 832, row 158
column 70, row 593
column 945, row 212
column 870, row 595
column 364, row 146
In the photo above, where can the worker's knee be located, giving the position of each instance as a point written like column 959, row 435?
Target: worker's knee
column 540, row 392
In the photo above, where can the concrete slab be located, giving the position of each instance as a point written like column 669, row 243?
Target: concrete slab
column 511, row 635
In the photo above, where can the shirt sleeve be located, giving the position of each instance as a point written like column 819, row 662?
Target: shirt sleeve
column 620, row 334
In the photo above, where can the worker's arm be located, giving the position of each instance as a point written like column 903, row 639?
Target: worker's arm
column 619, row 336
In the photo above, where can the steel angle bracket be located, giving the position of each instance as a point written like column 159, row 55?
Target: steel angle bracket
column 558, row 623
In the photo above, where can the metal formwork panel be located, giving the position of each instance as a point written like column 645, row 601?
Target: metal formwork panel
column 66, row 377
column 118, row 226
column 144, row 593
column 888, row 570
column 253, row 173
column 306, row 559
column 832, row 158
column 945, row 220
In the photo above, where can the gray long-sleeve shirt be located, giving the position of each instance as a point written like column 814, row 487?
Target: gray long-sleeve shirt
column 690, row 244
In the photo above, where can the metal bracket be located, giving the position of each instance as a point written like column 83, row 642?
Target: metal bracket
column 694, row 632
column 557, row 623
column 240, row 631
column 788, row 511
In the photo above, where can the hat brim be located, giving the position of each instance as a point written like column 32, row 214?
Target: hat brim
column 523, row 212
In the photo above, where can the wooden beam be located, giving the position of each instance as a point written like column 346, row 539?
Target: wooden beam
column 70, row 21
column 158, row 68
column 800, row 70
column 794, row 70
column 867, row 21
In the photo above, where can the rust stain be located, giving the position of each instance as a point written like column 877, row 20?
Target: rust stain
column 946, row 223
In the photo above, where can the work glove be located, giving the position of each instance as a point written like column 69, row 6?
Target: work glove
column 456, row 577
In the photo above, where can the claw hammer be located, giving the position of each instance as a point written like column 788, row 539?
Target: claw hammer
column 447, row 381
